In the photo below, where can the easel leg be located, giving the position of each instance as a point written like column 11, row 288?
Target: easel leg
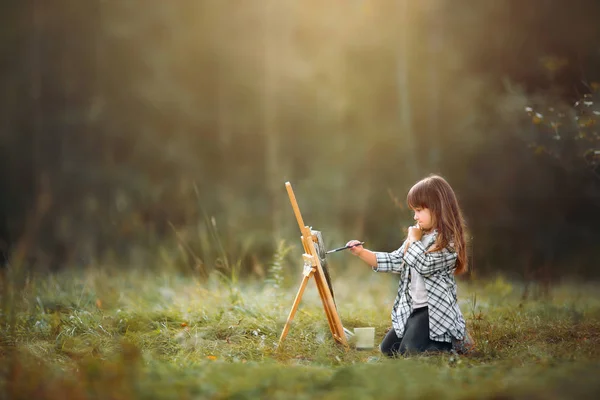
column 326, row 306
column 286, row 328
column 330, row 310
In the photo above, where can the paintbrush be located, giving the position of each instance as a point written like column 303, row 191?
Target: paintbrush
column 344, row 248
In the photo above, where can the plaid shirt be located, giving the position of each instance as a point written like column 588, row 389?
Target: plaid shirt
column 437, row 269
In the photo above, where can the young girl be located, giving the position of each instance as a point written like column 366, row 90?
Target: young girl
column 426, row 316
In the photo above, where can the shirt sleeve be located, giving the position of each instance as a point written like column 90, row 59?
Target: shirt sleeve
column 390, row 262
column 428, row 264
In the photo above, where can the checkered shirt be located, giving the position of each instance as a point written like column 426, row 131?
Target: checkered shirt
column 437, row 269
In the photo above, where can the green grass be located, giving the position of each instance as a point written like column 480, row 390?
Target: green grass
column 103, row 334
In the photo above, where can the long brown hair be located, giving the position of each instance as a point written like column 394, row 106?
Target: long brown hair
column 435, row 193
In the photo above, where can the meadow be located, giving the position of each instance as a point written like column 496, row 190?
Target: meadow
column 148, row 334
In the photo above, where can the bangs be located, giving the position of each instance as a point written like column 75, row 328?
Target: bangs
column 419, row 196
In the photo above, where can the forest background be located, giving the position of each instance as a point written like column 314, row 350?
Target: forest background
column 161, row 133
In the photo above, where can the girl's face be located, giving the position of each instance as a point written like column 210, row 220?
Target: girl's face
column 424, row 218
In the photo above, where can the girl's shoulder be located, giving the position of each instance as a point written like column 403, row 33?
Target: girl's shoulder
column 433, row 246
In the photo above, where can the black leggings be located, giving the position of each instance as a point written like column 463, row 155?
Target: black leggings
column 415, row 339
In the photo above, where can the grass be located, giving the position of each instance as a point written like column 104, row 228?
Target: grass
column 106, row 334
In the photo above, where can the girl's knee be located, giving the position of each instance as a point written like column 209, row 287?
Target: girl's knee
column 391, row 354
column 391, row 351
column 386, row 350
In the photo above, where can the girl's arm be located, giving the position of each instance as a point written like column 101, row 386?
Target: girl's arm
column 367, row 256
column 380, row 261
column 428, row 264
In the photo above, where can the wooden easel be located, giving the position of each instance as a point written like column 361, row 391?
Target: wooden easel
column 312, row 267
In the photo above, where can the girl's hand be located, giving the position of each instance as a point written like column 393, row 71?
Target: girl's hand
column 356, row 248
column 414, row 233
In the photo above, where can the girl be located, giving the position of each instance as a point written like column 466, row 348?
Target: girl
column 425, row 316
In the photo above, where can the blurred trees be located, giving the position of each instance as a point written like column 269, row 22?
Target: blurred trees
column 164, row 131
column 569, row 134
